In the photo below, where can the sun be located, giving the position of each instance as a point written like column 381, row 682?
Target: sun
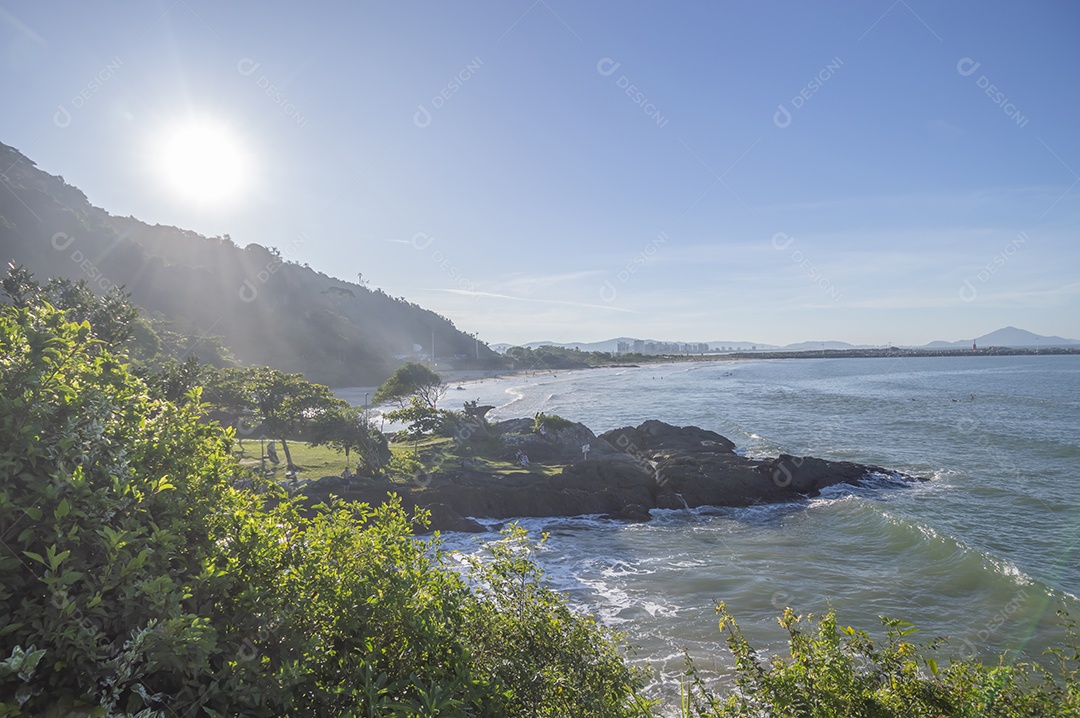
column 203, row 161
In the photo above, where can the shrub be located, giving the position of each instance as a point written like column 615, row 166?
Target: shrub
column 549, row 422
column 839, row 671
column 136, row 579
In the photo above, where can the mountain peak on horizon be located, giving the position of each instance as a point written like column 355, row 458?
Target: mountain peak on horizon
column 1009, row 336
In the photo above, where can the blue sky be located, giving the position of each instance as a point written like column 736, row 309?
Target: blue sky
column 876, row 172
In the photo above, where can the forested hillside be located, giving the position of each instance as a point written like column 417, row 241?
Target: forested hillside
column 267, row 309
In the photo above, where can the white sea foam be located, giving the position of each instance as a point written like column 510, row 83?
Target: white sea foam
column 947, row 554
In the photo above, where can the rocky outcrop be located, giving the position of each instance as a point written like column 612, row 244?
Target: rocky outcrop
column 628, row 472
column 695, row 467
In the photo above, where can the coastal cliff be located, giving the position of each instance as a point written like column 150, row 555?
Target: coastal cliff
column 624, row 474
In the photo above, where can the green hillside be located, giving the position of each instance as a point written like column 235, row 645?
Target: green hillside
column 266, row 309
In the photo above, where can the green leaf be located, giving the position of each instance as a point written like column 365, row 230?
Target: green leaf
column 55, row 559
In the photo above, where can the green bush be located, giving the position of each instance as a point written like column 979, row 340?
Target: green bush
column 136, row 579
column 834, row 671
column 548, row 660
column 421, row 418
column 549, row 422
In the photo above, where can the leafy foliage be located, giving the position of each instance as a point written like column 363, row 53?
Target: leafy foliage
column 347, row 429
column 547, row 659
column 836, row 671
column 137, row 579
column 111, row 316
column 411, row 380
column 421, row 418
column 549, row 422
column 284, row 404
column 553, row 358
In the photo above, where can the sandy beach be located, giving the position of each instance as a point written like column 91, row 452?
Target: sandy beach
column 361, row 395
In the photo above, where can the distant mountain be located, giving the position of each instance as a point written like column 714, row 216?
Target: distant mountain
column 1007, row 337
column 267, row 309
column 612, row 345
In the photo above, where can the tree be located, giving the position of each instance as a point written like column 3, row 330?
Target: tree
column 107, row 492
column 421, row 418
column 285, row 404
column 409, row 380
column 174, row 380
column 112, row 316
column 227, row 393
column 346, row 429
column 138, row 579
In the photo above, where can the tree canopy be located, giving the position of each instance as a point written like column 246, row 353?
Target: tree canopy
column 137, row 578
column 348, row 429
column 284, row 404
column 409, row 380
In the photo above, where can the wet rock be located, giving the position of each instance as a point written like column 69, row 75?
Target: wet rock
column 629, row 471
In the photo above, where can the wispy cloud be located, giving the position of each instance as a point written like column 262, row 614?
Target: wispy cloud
column 21, row 26
column 561, row 302
column 531, row 283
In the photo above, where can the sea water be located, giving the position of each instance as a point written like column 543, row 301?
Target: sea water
column 984, row 552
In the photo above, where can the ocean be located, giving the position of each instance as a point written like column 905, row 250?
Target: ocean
column 984, row 552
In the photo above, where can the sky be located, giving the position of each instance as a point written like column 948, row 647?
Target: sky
column 877, row 172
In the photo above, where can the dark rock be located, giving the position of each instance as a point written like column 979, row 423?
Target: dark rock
column 809, row 475
column 628, row 472
column 670, row 500
column 631, row 512
column 445, row 518
column 657, row 437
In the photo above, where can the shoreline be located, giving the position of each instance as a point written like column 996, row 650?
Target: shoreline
column 461, row 377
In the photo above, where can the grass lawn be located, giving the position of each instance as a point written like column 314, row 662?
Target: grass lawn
column 438, row 453
column 434, row 452
column 313, row 461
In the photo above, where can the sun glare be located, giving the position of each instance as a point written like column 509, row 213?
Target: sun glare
column 204, row 162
